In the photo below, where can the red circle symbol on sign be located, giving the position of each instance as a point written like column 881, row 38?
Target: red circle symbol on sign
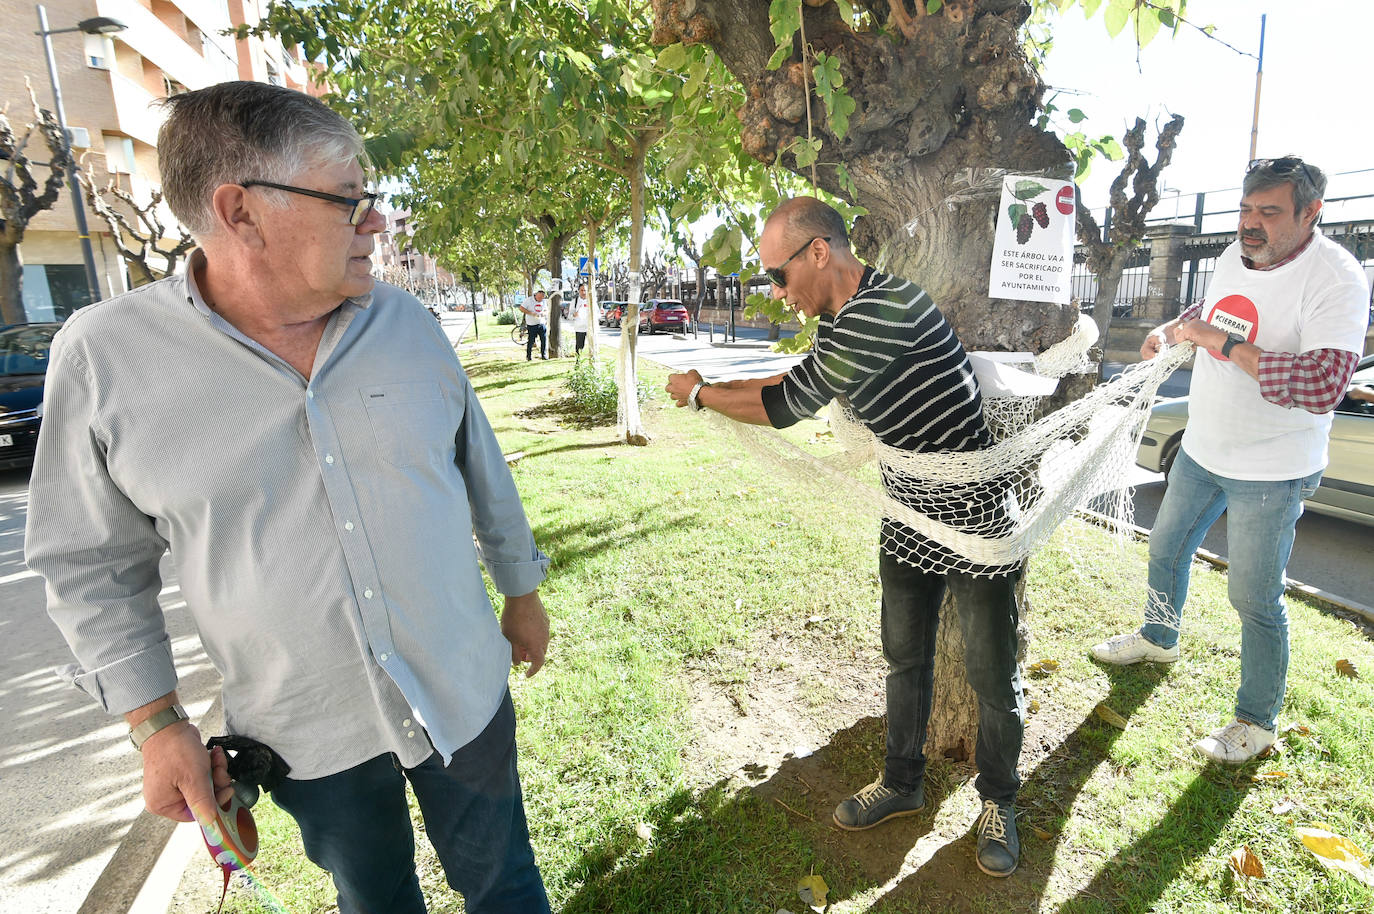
column 1234, row 314
column 1063, row 201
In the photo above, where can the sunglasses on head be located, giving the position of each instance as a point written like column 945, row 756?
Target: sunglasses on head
column 778, row 275
column 1282, row 166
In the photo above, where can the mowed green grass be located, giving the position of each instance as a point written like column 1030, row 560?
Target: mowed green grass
column 674, row 556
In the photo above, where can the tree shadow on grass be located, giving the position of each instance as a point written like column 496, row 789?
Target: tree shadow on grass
column 567, row 413
column 742, row 844
column 582, row 539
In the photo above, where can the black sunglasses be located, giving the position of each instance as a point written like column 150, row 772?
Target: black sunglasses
column 361, row 206
column 778, row 275
column 1282, row 166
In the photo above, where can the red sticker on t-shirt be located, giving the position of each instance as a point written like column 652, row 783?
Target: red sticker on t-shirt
column 1234, row 314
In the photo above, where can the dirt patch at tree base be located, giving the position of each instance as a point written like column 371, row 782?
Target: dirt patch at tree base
column 803, row 729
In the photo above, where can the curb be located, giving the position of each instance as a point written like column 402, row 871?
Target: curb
column 143, row 847
column 1324, row 597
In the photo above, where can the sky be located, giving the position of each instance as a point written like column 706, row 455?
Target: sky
column 1313, row 97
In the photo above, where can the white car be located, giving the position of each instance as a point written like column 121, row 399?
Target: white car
column 1347, row 488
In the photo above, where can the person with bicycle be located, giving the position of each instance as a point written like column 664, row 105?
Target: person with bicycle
column 535, row 310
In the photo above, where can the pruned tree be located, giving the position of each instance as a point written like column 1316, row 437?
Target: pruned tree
column 22, row 196
column 1107, row 257
column 139, row 234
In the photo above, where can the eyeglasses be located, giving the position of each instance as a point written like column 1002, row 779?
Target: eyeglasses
column 361, row 206
column 778, row 275
column 1282, row 166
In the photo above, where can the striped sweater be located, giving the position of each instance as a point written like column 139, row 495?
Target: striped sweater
column 891, row 353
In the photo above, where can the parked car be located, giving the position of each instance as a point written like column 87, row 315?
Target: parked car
column 1347, row 487
column 23, row 368
column 663, row 314
column 611, row 312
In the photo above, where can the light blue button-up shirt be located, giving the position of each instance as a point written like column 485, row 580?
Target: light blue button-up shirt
column 322, row 530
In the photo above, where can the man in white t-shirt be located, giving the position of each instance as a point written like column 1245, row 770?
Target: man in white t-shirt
column 1278, row 337
column 536, row 311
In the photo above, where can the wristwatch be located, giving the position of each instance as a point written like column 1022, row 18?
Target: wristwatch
column 692, row 403
column 161, row 720
column 1231, row 340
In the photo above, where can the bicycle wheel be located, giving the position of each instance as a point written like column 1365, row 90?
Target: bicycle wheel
column 518, row 333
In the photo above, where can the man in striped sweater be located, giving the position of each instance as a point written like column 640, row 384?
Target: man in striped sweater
column 884, row 346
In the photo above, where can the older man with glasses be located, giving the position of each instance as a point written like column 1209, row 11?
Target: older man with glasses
column 305, row 443
column 1279, row 335
column 886, row 348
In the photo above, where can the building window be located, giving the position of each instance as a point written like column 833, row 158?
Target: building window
column 97, row 51
column 52, row 291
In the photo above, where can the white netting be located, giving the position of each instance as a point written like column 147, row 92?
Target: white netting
column 984, row 511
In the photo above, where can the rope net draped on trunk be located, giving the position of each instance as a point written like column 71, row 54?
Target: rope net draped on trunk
column 984, row 511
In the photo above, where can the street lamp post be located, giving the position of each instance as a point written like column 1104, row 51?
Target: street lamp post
column 99, row 25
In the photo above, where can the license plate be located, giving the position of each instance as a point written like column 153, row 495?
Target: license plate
column 6, row 441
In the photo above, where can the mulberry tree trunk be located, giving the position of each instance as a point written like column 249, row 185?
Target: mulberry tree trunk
column 943, row 102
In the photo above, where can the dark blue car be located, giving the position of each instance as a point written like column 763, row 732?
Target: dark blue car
column 23, row 367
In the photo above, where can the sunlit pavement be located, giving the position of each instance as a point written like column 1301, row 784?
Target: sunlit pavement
column 72, row 782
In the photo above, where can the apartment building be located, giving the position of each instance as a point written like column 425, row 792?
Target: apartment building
column 110, row 87
column 396, row 261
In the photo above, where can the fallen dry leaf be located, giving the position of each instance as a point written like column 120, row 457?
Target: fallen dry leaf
column 1246, row 863
column 1299, row 729
column 1347, row 669
column 1336, row 851
column 1107, row 715
column 1034, row 706
column 812, row 890
column 1270, row 776
column 644, row 830
column 1043, row 666
column 1041, row 833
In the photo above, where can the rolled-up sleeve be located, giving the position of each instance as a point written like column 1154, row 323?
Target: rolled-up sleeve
column 504, row 538
column 96, row 552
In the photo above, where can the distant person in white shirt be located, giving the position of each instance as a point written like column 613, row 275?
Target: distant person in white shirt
column 536, row 310
column 581, row 314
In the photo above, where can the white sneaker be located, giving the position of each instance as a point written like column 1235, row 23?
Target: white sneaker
column 1133, row 648
column 1236, row 743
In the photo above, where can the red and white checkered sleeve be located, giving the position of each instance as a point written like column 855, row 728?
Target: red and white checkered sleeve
column 1314, row 380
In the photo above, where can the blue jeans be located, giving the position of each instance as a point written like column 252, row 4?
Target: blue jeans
column 988, row 616
column 355, row 824
column 1260, row 521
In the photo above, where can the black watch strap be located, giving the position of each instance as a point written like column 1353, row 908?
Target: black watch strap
column 1232, row 340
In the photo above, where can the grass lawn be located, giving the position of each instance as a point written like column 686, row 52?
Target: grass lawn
column 714, row 687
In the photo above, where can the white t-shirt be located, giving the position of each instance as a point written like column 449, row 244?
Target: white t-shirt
column 1319, row 300
column 540, row 309
column 581, row 308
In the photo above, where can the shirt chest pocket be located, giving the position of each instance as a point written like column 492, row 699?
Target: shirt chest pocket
column 410, row 422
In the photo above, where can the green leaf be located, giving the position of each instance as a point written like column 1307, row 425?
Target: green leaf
column 1110, row 148
column 784, row 19
column 1015, row 212
column 783, row 52
column 673, row 56
column 846, row 11
column 933, row 6
column 1115, row 19
column 806, row 151
column 1089, row 7
column 840, row 105
column 1076, row 116
column 1028, row 190
column 1146, row 25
